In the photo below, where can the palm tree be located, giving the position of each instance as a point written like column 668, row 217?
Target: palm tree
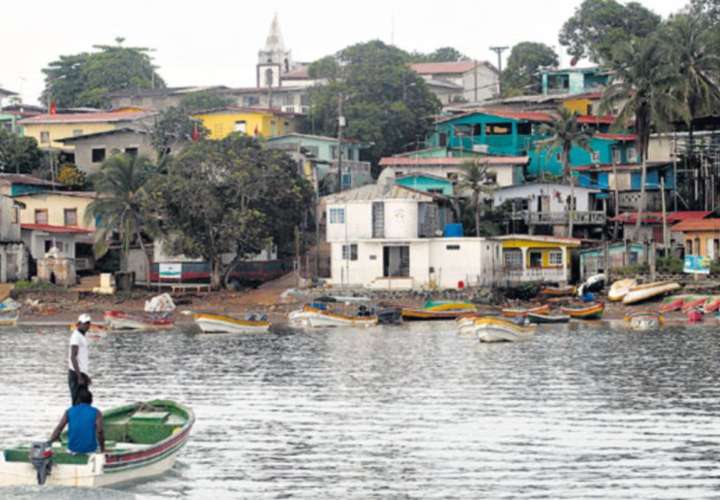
column 475, row 178
column 642, row 90
column 117, row 209
column 564, row 134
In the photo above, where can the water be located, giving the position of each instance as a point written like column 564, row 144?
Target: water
column 403, row 412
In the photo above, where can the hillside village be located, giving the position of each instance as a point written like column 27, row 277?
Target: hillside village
column 565, row 178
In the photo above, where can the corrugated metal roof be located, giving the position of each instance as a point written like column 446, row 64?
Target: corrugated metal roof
column 396, row 161
column 530, row 116
column 378, row 192
column 449, row 67
column 56, row 229
column 698, row 225
column 656, row 217
column 540, row 239
column 103, row 117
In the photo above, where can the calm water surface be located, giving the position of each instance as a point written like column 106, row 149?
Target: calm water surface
column 403, row 412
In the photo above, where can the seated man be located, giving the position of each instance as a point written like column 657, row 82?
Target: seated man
column 85, row 425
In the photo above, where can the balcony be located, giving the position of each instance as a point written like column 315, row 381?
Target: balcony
column 552, row 275
column 592, row 218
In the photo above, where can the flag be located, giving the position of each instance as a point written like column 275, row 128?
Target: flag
column 574, row 61
column 195, row 135
column 53, row 107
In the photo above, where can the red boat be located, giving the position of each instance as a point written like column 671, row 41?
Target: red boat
column 674, row 305
column 693, row 304
column 118, row 320
column 695, row 316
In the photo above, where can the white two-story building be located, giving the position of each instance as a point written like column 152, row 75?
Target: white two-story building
column 385, row 236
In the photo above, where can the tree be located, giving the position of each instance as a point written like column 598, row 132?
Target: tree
column 564, row 134
column 19, row 155
column 84, row 79
column 597, row 26
column 70, row 176
column 173, row 127
column 475, row 179
column 385, row 103
column 642, row 88
column 443, row 54
column 118, row 209
column 227, row 197
column 205, row 100
column 521, row 74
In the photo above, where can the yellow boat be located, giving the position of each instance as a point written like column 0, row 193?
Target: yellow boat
column 649, row 291
column 310, row 316
column 221, row 323
column 619, row 289
column 493, row 329
column 439, row 310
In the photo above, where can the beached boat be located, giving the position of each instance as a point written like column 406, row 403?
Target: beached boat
column 593, row 311
column 675, row 304
column 712, row 305
column 644, row 321
column 695, row 303
column 118, row 320
column 438, row 310
column 221, row 323
column 493, row 329
column 9, row 318
column 648, row 291
column 695, row 315
column 620, row 289
column 538, row 318
column 558, row 291
column 142, row 441
column 313, row 316
column 522, row 313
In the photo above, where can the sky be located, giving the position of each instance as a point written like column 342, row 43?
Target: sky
column 215, row 42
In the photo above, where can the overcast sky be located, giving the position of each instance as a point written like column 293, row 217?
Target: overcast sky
column 215, row 42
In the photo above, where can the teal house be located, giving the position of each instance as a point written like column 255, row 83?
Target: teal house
column 319, row 147
column 427, row 183
column 592, row 260
column 574, row 80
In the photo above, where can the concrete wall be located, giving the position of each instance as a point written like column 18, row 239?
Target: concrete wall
column 55, row 204
column 9, row 220
column 401, row 220
column 486, row 84
column 115, row 143
column 506, row 175
column 557, row 203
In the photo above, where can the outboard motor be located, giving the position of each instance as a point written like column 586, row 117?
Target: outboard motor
column 41, row 457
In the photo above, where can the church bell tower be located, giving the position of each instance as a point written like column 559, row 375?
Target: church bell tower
column 274, row 60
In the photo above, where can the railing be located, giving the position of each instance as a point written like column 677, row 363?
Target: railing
column 84, row 263
column 535, row 274
column 579, row 218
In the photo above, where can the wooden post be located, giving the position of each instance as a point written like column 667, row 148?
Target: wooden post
column 666, row 239
column 653, row 253
column 625, row 253
column 297, row 256
column 606, row 256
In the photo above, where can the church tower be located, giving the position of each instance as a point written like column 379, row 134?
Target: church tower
column 274, row 60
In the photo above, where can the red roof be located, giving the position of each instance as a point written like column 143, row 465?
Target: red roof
column 299, row 73
column 109, row 116
column 444, row 67
column 530, row 116
column 398, row 161
column 698, row 225
column 592, row 119
column 617, row 137
column 656, row 217
column 56, row 229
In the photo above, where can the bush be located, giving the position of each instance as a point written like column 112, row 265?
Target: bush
column 36, row 286
column 631, row 271
column 669, row 265
column 523, row 291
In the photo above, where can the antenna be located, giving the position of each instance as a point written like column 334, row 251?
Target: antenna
column 499, row 50
column 392, row 29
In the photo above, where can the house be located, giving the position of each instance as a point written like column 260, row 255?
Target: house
column 13, row 254
column 574, row 80
column 584, row 104
column 502, row 170
column 700, row 237
column 543, row 208
column 386, row 236
column 536, row 258
column 92, row 149
column 158, row 99
column 317, row 158
column 593, row 260
column 11, row 114
column 426, row 183
column 651, row 228
column 19, row 184
column 57, row 219
column 251, row 121
column 459, row 81
column 49, row 129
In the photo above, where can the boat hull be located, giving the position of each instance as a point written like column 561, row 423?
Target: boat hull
column 499, row 330
column 645, row 322
column 316, row 318
column 120, row 321
column 426, row 315
column 620, row 289
column 218, row 323
column 647, row 292
column 592, row 312
column 547, row 319
column 522, row 313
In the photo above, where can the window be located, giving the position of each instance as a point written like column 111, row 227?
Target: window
column 688, row 247
column 41, row 216
column 452, row 247
column 71, row 217
column 589, row 109
column 251, row 100
column 44, row 137
column 535, row 259
column 442, row 139
column 333, row 152
column 304, row 100
column 241, row 126
column 289, row 99
column 350, row 252
column 15, row 215
column 435, row 191
column 98, row 155
column 346, row 181
column 131, row 152
column 631, row 154
column 617, row 159
column 337, row 216
column 498, row 129
column 452, row 176
column 513, row 258
column 556, row 258
column 77, row 132
column 595, row 157
column 49, row 245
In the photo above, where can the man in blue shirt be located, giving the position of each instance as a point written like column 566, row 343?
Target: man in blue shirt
column 85, row 425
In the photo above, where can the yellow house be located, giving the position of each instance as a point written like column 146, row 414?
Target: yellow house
column 584, row 104
column 57, row 219
column 701, row 237
column 250, row 121
column 537, row 258
column 48, row 129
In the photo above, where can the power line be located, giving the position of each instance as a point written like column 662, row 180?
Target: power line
column 499, row 50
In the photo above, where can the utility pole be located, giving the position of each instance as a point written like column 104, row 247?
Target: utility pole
column 499, row 50
column 341, row 125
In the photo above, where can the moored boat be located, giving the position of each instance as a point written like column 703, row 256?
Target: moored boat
column 438, row 310
column 648, row 291
column 695, row 315
column 522, row 313
column 696, row 303
column 645, row 321
column 558, row 291
column 712, row 305
column 118, row 320
column 222, row 323
column 620, row 288
column 493, row 329
column 539, row 318
column 314, row 316
column 593, row 311
column 142, row 441
column 672, row 305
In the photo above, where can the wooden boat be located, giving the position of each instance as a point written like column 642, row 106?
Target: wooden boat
column 142, row 440
column 539, row 318
column 221, row 323
column 118, row 320
column 697, row 303
column 312, row 316
column 522, row 313
column 562, row 291
column 620, row 288
column 695, row 315
column 492, row 329
column 649, row 291
column 712, row 305
column 645, row 321
column 673, row 305
column 593, row 311
column 9, row 318
column 438, row 310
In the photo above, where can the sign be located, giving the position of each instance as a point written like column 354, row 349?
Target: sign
column 170, row 271
column 695, row 264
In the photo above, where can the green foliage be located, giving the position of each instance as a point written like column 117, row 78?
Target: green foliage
column 172, row 128
column 631, row 271
column 476, row 179
column 205, row 100
column 84, row 79
column 598, row 26
column 492, row 221
column 525, row 60
column 36, row 286
column 227, row 196
column 669, row 265
column 19, row 155
column 715, row 267
column 386, row 104
column 523, row 291
column 327, row 68
column 443, row 54
column 70, row 176
column 564, row 134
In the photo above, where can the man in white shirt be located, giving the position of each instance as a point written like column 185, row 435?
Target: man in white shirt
column 78, row 362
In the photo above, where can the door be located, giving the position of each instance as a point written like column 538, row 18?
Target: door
column 711, row 249
column 378, row 219
column 396, row 262
column 544, row 204
column 535, row 260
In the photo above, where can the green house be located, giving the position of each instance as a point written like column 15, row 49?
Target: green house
column 427, row 183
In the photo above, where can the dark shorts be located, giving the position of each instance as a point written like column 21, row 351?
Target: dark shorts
column 73, row 384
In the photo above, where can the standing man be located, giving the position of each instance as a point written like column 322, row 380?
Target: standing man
column 78, row 359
